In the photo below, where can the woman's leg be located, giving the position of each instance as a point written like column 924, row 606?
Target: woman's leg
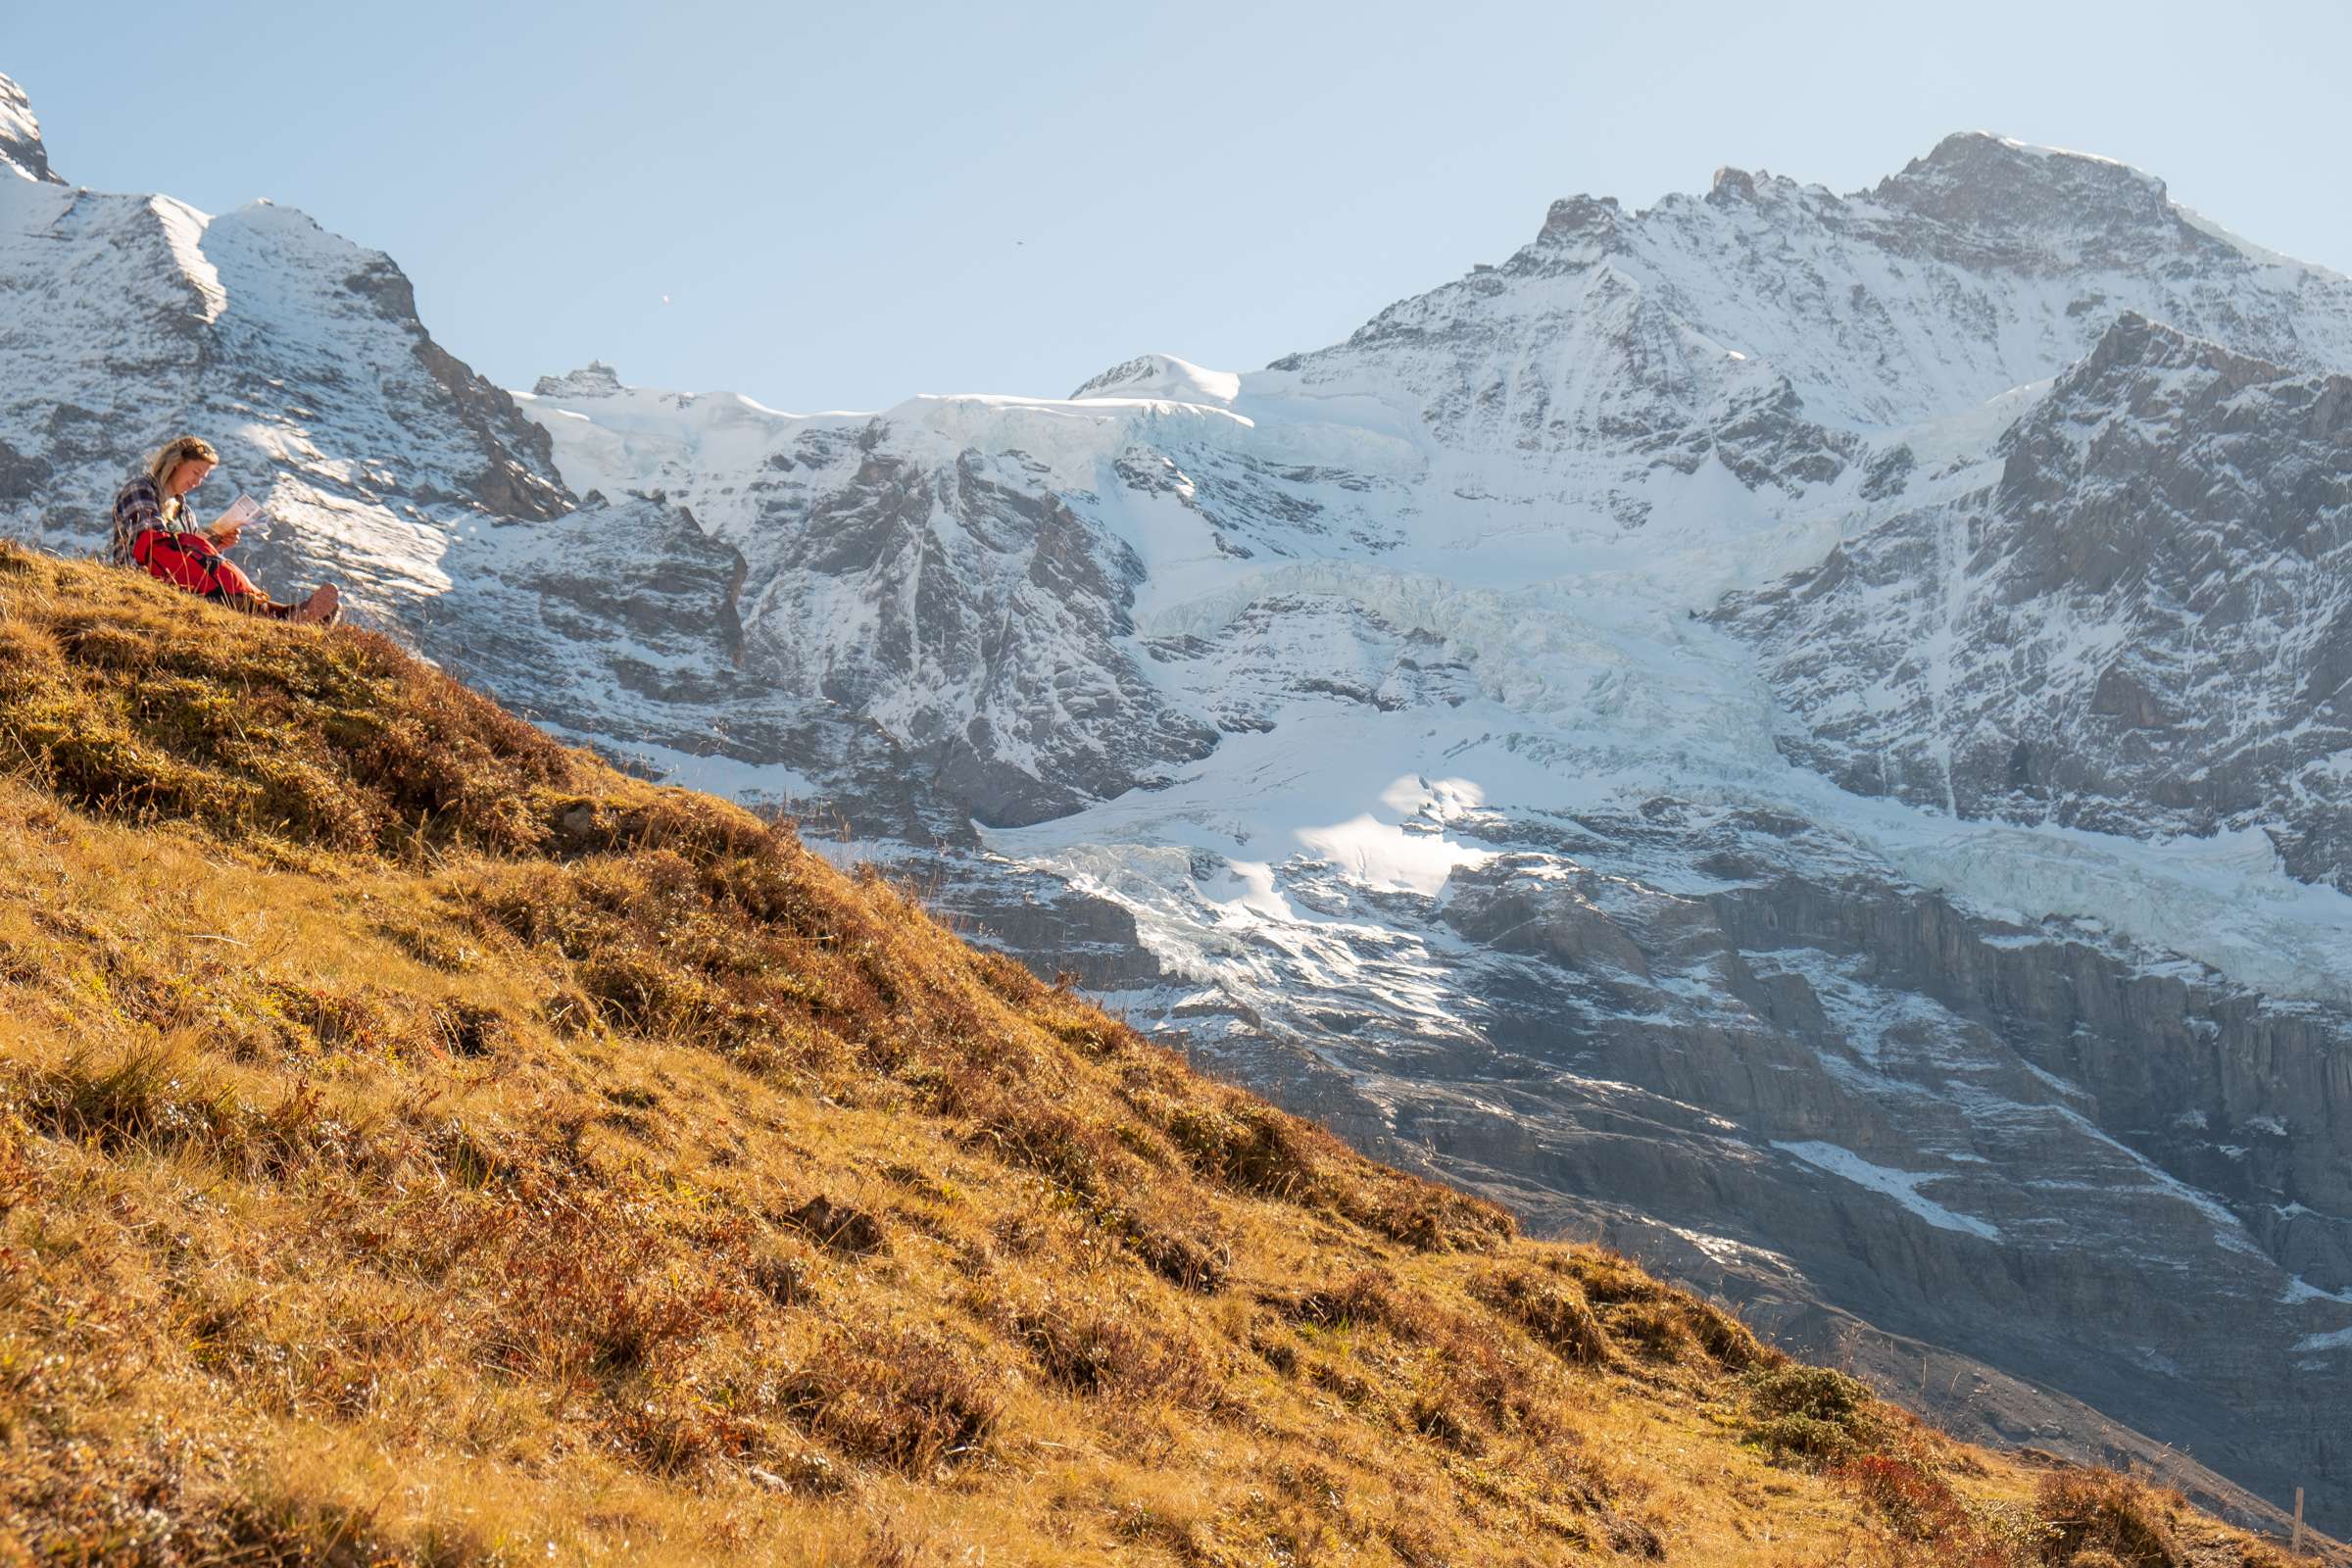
column 238, row 591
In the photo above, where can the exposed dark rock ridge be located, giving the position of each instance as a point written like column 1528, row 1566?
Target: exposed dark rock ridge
column 21, row 148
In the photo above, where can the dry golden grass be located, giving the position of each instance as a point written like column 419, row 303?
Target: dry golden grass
column 421, row 1144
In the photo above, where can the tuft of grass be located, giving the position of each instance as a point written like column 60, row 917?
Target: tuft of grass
column 1663, row 1323
column 2099, row 1512
column 1550, row 1307
column 1371, row 1299
column 147, row 1098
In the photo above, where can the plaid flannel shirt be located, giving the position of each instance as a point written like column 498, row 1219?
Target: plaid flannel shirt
column 139, row 506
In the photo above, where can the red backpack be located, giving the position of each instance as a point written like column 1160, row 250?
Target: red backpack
column 192, row 562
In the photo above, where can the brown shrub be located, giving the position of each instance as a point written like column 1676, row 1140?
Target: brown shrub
column 592, row 1293
column 1487, row 1375
column 1088, row 1350
column 912, row 1400
column 1812, row 1414
column 667, row 1439
column 838, row 1226
column 1917, row 1502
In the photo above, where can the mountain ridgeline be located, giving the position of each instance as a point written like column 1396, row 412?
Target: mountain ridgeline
column 1802, row 734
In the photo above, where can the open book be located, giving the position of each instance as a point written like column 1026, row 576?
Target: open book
column 241, row 511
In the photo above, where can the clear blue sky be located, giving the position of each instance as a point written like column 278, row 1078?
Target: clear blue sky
column 848, row 204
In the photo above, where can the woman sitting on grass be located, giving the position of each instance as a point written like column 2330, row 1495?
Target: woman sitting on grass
column 154, row 529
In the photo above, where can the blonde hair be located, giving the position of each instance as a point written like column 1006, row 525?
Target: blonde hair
column 167, row 458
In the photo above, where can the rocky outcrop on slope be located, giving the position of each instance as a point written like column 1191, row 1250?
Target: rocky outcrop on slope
column 989, row 614
column 2144, row 626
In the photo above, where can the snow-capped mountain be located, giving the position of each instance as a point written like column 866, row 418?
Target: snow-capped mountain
column 1775, row 327
column 1378, row 720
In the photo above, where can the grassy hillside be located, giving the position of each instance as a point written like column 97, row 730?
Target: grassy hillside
column 420, row 1143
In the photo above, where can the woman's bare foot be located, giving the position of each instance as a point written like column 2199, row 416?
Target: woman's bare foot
column 321, row 606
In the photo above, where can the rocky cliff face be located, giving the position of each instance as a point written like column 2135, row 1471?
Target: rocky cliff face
column 1745, row 1042
column 2145, row 626
column 1376, row 721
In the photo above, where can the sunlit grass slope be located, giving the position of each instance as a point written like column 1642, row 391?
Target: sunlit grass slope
column 421, row 1143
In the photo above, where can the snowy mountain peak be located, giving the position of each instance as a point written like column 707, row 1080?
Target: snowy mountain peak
column 1980, row 181
column 1580, row 219
column 1730, row 183
column 1162, row 376
column 20, row 151
column 595, row 379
